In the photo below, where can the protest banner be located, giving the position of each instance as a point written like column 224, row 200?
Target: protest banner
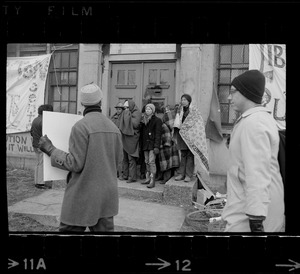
column 25, row 90
column 270, row 59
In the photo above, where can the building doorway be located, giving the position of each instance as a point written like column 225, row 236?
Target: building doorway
column 143, row 82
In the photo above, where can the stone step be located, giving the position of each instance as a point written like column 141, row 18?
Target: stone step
column 134, row 215
column 177, row 193
column 138, row 191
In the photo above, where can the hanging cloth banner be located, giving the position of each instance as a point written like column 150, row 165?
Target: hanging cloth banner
column 270, row 59
column 25, row 90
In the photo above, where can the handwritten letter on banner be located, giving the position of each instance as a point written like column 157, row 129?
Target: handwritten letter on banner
column 25, row 89
column 59, row 134
column 270, row 59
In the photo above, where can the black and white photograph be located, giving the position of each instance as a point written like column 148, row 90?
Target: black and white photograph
column 149, row 136
column 145, row 137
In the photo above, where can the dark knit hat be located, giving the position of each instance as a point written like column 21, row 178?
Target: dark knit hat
column 251, row 84
column 188, row 97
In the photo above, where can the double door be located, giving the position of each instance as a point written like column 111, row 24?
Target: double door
column 143, row 82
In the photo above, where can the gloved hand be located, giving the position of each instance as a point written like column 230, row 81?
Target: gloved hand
column 156, row 150
column 46, row 145
column 256, row 225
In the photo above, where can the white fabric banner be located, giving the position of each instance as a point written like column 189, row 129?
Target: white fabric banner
column 270, row 59
column 59, row 134
column 25, row 90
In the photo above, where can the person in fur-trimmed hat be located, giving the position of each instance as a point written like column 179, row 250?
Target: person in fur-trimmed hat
column 255, row 195
column 95, row 149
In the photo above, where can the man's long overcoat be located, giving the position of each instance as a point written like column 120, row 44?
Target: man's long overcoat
column 95, row 150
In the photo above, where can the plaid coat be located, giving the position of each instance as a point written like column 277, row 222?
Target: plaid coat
column 168, row 155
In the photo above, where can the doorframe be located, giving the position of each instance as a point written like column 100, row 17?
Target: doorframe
column 111, row 63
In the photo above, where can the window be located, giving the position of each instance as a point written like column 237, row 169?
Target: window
column 63, row 75
column 233, row 61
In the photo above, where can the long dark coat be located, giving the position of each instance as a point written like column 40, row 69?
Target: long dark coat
column 129, row 126
column 151, row 133
column 95, row 150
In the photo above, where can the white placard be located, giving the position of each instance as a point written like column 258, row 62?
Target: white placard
column 58, row 127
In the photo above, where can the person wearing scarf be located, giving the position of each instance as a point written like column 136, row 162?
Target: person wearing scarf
column 187, row 165
column 129, row 126
column 95, row 148
column 151, row 127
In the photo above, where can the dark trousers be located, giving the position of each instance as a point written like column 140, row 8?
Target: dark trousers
column 103, row 225
column 187, row 164
column 129, row 166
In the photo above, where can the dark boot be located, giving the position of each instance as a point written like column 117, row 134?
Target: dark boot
column 147, row 180
column 152, row 181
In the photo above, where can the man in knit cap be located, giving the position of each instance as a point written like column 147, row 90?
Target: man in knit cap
column 255, row 197
column 95, row 150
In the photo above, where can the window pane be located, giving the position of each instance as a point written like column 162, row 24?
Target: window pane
column 72, row 78
column 223, row 94
column 73, row 94
column 121, row 77
column 65, row 94
column 224, row 113
column 65, row 60
column 237, row 54
column 55, row 78
column 73, row 59
column 224, row 76
column 56, row 106
column 225, row 54
column 131, row 77
column 64, row 78
column 57, row 60
column 72, row 107
column 164, row 76
column 246, row 54
column 56, row 94
column 64, row 107
column 152, row 76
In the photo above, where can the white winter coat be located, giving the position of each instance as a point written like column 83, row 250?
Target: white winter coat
column 254, row 183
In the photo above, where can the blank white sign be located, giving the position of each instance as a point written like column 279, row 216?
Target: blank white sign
column 57, row 126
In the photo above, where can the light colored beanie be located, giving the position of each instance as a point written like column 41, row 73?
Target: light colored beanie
column 151, row 106
column 90, row 94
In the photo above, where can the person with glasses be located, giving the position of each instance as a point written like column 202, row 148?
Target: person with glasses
column 255, row 195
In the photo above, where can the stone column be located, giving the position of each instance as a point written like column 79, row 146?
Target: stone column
column 89, row 67
column 190, row 71
column 197, row 68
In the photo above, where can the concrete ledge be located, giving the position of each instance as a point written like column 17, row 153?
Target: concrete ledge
column 179, row 193
column 138, row 191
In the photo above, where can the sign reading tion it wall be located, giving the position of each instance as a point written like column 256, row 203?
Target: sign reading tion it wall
column 19, row 144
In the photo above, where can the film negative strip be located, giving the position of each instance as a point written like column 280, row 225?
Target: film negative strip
column 150, row 253
column 159, row 22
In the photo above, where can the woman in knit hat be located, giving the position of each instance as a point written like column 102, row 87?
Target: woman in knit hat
column 151, row 127
column 187, row 165
column 255, row 200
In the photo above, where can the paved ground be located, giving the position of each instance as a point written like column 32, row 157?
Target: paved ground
column 135, row 214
